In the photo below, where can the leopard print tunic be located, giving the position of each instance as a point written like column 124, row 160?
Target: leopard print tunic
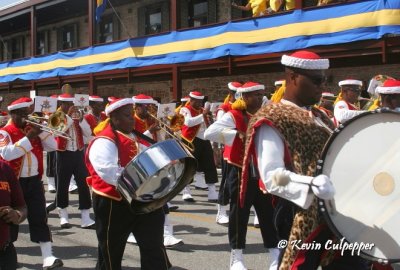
column 305, row 140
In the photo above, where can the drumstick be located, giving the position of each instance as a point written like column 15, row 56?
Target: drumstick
column 282, row 179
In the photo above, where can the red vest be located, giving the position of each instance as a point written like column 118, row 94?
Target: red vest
column 78, row 136
column 189, row 133
column 143, row 125
column 17, row 134
column 93, row 121
column 127, row 150
column 236, row 150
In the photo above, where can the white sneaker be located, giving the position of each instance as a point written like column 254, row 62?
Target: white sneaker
column 222, row 217
column 64, row 221
column 256, row 223
column 237, row 260
column 169, row 238
column 186, row 196
column 274, row 255
column 52, row 263
column 199, row 182
column 51, row 186
column 212, row 193
column 131, row 239
column 86, row 221
column 73, row 188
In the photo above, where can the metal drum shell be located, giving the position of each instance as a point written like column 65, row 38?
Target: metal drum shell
column 156, row 175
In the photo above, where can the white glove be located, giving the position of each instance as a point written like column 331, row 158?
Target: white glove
column 322, row 187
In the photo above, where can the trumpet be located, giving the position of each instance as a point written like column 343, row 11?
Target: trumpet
column 171, row 132
column 55, row 124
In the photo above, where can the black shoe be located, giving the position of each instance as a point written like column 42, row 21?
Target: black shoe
column 65, row 226
column 52, row 191
column 51, row 207
column 173, row 208
column 200, row 188
column 57, row 263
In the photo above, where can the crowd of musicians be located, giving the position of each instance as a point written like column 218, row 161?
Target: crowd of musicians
column 270, row 147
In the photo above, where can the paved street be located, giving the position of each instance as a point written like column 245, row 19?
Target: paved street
column 206, row 243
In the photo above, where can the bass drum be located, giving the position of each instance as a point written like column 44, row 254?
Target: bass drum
column 156, row 175
column 362, row 159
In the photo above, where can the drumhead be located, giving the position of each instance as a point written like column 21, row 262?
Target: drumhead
column 362, row 159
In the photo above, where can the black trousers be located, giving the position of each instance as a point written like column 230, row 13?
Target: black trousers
column 51, row 164
column 205, row 160
column 114, row 223
column 224, row 189
column 239, row 217
column 72, row 163
column 33, row 190
column 8, row 258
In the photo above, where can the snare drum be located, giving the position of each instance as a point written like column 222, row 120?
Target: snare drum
column 362, row 159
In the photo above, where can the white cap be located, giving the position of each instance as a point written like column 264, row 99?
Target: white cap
column 305, row 60
column 350, row 82
column 117, row 103
column 196, row 95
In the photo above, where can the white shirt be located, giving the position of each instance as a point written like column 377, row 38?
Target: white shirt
column 10, row 151
column 194, row 121
column 103, row 156
column 269, row 147
column 222, row 131
column 343, row 113
column 72, row 145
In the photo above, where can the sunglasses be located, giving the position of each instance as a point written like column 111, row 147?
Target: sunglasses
column 315, row 79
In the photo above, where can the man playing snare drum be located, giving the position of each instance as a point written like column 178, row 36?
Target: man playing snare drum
column 107, row 155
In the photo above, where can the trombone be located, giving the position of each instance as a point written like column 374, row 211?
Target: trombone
column 55, row 124
column 188, row 145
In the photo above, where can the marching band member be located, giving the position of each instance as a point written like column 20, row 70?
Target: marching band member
column 390, row 94
column 231, row 130
column 326, row 104
column 196, row 121
column 283, row 145
column 224, row 190
column 107, row 154
column 4, row 117
column 144, row 122
column 147, row 125
column 12, row 213
column 70, row 161
column 96, row 114
column 21, row 146
column 345, row 108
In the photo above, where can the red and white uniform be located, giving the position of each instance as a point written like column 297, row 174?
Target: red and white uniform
column 25, row 156
column 76, row 130
column 104, row 165
column 344, row 111
column 194, row 124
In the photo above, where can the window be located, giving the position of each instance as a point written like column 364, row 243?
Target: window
column 13, row 48
column 42, row 43
column 199, row 13
column 154, row 18
column 108, row 29
column 67, row 37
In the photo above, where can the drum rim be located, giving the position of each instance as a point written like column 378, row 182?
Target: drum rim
column 322, row 205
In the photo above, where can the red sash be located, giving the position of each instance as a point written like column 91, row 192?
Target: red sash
column 236, row 150
column 93, row 121
column 17, row 134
